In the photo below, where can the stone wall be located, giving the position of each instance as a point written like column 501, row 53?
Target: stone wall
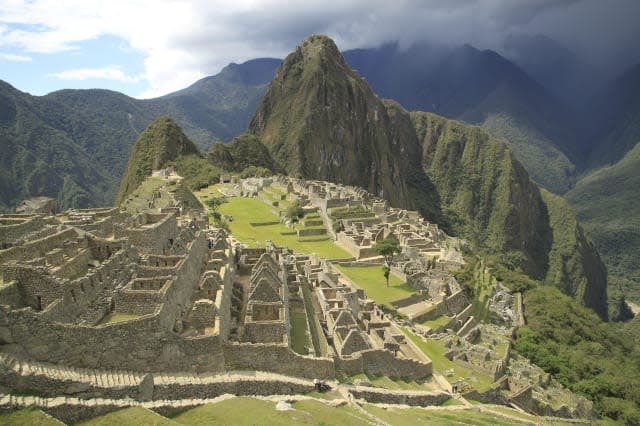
column 37, row 248
column 155, row 237
column 234, row 386
column 14, row 227
column 75, row 267
column 412, row 398
column 383, row 362
column 277, row 359
column 411, row 300
column 311, row 232
column 141, row 344
column 265, row 331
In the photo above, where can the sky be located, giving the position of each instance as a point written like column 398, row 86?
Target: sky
column 148, row 48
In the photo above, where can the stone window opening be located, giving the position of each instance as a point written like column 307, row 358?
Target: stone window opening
column 38, row 303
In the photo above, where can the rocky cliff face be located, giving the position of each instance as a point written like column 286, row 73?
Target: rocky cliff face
column 574, row 263
column 162, row 141
column 320, row 120
column 486, row 189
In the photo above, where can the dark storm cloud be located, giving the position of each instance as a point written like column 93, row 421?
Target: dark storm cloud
column 603, row 32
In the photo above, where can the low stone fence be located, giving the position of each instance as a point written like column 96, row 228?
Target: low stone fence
column 277, row 359
column 311, row 232
column 408, row 301
column 413, row 398
column 383, row 362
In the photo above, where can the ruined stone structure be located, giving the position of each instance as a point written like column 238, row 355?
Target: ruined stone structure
column 153, row 304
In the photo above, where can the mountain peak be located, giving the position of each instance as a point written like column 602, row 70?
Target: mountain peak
column 162, row 141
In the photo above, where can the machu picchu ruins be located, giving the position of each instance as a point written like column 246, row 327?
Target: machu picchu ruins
column 152, row 301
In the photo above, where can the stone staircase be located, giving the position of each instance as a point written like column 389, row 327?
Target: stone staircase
column 54, row 380
column 90, row 377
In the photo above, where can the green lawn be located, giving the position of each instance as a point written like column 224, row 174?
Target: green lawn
column 417, row 416
column 436, row 322
column 131, row 416
column 299, row 335
column 248, row 411
column 116, row 317
column 371, row 280
column 436, row 350
column 251, row 210
column 27, row 416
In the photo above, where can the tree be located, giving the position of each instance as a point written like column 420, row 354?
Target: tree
column 216, row 202
column 387, row 248
column 295, row 212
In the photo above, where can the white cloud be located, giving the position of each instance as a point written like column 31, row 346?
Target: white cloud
column 111, row 72
column 183, row 40
column 14, row 58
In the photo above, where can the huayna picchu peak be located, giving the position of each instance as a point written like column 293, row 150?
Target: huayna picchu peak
column 320, row 120
column 343, row 260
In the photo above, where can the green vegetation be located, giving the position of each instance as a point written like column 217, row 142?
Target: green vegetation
column 372, row 281
column 294, row 212
column 138, row 200
column 130, row 416
column 437, row 322
column 435, row 350
column 543, row 157
column 474, row 175
column 608, row 206
column 161, row 142
column 244, row 153
column 113, row 317
column 299, row 336
column 246, row 211
column 27, row 416
column 573, row 256
column 415, row 416
column 248, row 411
column 302, row 141
column 597, row 359
column 387, row 248
column 196, row 171
column 488, row 91
column 349, row 212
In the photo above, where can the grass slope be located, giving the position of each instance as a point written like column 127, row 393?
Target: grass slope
column 28, row 416
column 248, row 411
column 131, row 416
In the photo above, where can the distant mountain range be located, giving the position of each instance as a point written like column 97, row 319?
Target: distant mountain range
column 74, row 144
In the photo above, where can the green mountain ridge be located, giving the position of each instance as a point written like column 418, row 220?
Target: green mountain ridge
column 161, row 142
column 607, row 203
column 73, row 145
column 483, row 88
column 321, row 121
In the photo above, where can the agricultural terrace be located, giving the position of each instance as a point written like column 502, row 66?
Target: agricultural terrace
column 435, row 350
